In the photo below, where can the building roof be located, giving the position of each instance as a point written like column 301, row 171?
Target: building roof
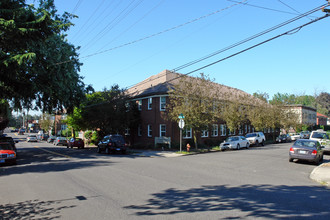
column 320, row 115
column 161, row 83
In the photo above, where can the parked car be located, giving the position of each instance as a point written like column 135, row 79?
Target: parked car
column 21, row 131
column 305, row 134
column 235, row 142
column 295, row 137
column 7, row 153
column 256, row 138
column 42, row 137
column 111, row 144
column 60, row 141
column 51, row 139
column 308, row 150
column 9, row 140
column 283, row 138
column 31, row 138
column 76, row 142
column 322, row 137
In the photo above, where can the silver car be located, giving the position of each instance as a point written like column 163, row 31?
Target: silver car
column 31, row 138
column 308, row 150
column 235, row 142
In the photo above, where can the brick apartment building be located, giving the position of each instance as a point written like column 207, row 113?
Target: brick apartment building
column 321, row 119
column 152, row 96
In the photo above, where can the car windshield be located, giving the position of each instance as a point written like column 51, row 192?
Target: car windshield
column 305, row 143
column 319, row 135
column 5, row 146
column 251, row 135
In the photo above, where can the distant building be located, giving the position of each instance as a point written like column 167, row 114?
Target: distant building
column 306, row 115
column 321, row 119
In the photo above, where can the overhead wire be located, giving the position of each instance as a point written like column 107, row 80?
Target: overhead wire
column 293, row 9
column 120, row 17
column 76, row 7
column 247, row 39
column 239, row 43
column 158, row 33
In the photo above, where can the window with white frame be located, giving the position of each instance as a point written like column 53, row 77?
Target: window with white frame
column 229, row 132
column 162, row 130
column 252, row 129
column 205, row 133
column 249, row 128
column 139, row 102
column 246, row 128
column 215, row 130
column 240, row 131
column 162, row 103
column 149, row 131
column 127, row 131
column 223, row 129
column 149, row 103
column 139, row 130
column 187, row 133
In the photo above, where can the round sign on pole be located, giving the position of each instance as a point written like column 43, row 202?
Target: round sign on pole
column 181, row 123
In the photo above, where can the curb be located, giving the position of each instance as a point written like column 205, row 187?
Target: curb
column 321, row 174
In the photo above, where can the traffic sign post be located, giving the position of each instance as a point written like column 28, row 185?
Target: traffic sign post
column 181, row 126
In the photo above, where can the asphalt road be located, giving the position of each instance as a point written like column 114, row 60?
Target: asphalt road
column 259, row 183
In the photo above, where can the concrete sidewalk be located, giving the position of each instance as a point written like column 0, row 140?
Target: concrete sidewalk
column 154, row 153
column 321, row 174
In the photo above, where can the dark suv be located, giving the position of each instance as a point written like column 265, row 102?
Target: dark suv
column 111, row 144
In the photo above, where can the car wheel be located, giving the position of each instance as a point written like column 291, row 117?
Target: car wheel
column 123, row 151
column 257, row 143
column 290, row 159
column 263, row 143
column 237, row 147
column 247, row 145
column 321, row 158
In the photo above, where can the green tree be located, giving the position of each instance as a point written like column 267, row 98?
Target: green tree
column 45, row 122
column 107, row 112
column 193, row 97
column 34, row 56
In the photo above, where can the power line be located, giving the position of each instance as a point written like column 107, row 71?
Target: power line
column 249, row 48
column 290, row 7
column 156, row 34
column 77, row 6
column 247, row 39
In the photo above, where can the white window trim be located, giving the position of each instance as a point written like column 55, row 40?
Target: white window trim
column 160, row 103
column 205, row 133
column 149, row 103
column 215, row 130
column 140, row 104
column 149, row 130
column 223, row 129
column 190, row 131
column 160, row 130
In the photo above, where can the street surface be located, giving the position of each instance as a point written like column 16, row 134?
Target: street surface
column 53, row 182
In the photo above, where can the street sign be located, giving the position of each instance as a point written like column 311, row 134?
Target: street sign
column 181, row 116
column 181, row 123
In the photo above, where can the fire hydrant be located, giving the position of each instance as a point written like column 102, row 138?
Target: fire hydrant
column 188, row 147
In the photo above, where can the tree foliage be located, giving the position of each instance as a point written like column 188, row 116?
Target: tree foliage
column 107, row 112
column 39, row 68
column 192, row 97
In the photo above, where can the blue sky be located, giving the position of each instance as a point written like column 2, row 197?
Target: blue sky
column 296, row 63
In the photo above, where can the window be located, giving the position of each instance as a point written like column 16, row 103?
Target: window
column 223, row 130
column 162, row 103
column 162, row 129
column 240, row 131
column 140, row 105
column 149, row 131
column 215, row 130
column 187, row 132
column 149, row 103
column 127, row 131
column 246, row 129
column 63, row 127
column 249, row 128
column 205, row 133
column 139, row 130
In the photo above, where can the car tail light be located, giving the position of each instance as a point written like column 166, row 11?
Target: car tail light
column 291, row 150
column 110, row 144
column 314, row 152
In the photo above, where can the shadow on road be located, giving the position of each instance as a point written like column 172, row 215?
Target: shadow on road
column 33, row 209
column 255, row 201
